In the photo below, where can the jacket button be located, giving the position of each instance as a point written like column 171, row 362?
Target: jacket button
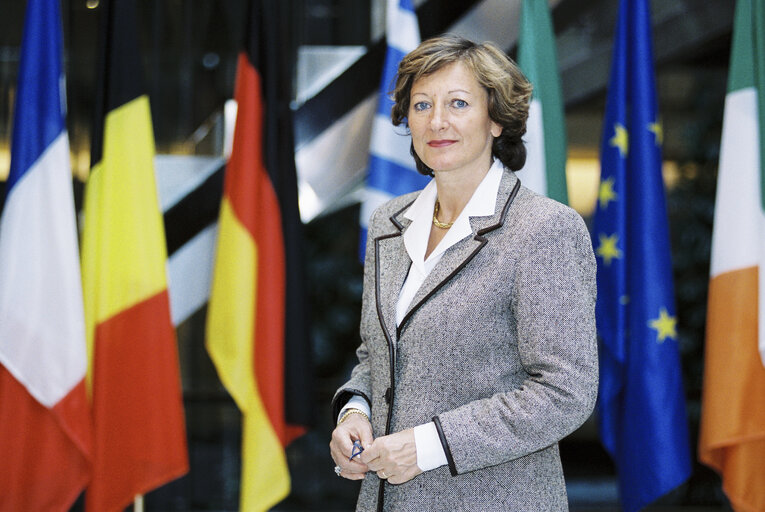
column 388, row 394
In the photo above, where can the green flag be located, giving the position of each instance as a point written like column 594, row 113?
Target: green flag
column 545, row 170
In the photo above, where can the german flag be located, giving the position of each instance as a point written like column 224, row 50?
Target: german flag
column 256, row 313
column 133, row 372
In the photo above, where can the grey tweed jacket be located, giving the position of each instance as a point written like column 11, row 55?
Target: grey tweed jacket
column 498, row 348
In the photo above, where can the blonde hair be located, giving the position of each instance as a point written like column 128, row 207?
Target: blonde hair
column 509, row 92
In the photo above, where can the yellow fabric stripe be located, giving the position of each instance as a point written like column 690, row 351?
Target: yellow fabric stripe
column 230, row 332
column 123, row 241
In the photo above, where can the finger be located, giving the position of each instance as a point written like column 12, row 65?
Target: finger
column 350, row 467
column 341, row 460
column 371, row 453
column 353, row 476
column 347, row 474
column 355, row 467
column 342, row 442
column 365, row 435
column 337, row 454
column 375, row 464
column 398, row 479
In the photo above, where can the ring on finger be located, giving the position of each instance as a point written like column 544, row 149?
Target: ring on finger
column 338, row 470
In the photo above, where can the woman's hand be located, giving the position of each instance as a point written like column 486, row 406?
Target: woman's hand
column 355, row 427
column 393, row 457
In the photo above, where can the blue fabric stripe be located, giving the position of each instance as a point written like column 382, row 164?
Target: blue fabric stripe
column 362, row 244
column 387, row 83
column 406, row 5
column 39, row 113
column 393, row 178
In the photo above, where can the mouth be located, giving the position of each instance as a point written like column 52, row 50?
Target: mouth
column 441, row 143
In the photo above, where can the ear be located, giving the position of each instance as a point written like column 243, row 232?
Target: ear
column 496, row 129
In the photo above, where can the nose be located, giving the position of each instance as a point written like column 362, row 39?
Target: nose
column 438, row 119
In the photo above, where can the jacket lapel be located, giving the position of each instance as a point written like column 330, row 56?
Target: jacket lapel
column 391, row 267
column 460, row 254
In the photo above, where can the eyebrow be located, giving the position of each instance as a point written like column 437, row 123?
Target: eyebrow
column 448, row 92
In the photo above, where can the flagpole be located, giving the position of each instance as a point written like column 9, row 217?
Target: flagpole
column 138, row 503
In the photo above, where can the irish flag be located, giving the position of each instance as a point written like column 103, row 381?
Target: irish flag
column 732, row 439
column 545, row 169
column 134, row 376
column 45, row 431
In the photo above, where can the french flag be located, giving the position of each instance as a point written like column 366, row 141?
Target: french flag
column 45, row 429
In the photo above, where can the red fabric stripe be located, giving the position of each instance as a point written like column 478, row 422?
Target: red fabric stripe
column 43, row 467
column 254, row 202
column 74, row 416
column 137, row 407
column 246, row 177
column 269, row 319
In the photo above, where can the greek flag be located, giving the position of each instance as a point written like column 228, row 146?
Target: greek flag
column 392, row 171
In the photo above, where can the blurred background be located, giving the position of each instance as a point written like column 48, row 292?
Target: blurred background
column 334, row 50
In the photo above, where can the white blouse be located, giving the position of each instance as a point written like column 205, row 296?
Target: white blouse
column 416, row 236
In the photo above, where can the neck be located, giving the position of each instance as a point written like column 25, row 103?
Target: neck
column 455, row 190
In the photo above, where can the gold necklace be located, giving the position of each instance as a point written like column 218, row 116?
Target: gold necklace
column 437, row 223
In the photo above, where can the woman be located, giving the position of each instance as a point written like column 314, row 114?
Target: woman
column 478, row 349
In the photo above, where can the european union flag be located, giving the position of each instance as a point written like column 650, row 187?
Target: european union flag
column 642, row 406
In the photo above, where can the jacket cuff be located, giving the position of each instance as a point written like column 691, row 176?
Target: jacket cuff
column 342, row 397
column 447, row 451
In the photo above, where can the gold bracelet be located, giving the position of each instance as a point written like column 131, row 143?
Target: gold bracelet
column 349, row 412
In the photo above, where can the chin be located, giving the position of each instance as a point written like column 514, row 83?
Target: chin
column 438, row 164
column 441, row 167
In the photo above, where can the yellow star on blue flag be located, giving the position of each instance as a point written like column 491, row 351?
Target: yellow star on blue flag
column 665, row 326
column 658, row 132
column 608, row 249
column 606, row 192
column 621, row 139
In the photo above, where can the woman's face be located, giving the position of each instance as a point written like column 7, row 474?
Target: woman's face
column 449, row 121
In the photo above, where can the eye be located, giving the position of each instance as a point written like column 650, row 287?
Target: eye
column 420, row 106
column 459, row 103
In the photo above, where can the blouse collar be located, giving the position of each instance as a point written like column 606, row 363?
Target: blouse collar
column 482, row 203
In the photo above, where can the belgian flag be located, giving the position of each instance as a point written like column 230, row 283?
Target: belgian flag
column 133, row 372
column 256, row 329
